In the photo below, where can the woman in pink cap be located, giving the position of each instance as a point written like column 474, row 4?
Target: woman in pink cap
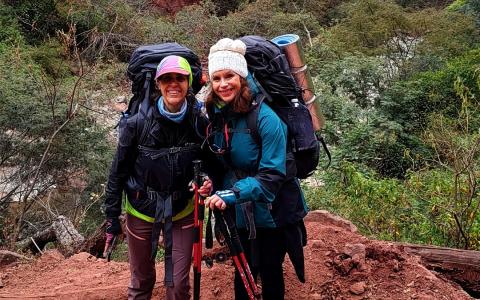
column 155, row 175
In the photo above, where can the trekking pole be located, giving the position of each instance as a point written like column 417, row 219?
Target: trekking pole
column 230, row 234
column 236, row 241
column 199, row 213
column 111, row 248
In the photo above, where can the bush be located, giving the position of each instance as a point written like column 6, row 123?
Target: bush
column 417, row 210
column 410, row 102
column 39, row 19
column 33, row 108
column 9, row 30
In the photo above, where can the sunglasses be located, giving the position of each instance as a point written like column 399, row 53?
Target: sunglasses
column 169, row 78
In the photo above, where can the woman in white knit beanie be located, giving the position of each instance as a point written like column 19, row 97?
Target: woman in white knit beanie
column 256, row 181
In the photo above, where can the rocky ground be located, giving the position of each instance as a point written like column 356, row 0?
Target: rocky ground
column 340, row 264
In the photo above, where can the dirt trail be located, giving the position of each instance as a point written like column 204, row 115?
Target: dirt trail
column 340, row 264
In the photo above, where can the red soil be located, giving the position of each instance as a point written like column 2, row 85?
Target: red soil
column 340, row 264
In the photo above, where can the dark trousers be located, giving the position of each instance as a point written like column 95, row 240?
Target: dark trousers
column 265, row 257
column 142, row 268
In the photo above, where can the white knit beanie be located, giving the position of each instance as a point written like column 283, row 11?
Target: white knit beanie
column 228, row 54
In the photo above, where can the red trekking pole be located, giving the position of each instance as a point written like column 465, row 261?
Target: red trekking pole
column 232, row 239
column 199, row 213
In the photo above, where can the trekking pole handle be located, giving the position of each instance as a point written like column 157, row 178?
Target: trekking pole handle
column 197, row 171
column 198, row 178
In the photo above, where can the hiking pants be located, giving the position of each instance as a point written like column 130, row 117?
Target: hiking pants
column 142, row 268
column 265, row 256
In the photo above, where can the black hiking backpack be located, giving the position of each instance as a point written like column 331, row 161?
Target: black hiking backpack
column 270, row 69
column 141, row 71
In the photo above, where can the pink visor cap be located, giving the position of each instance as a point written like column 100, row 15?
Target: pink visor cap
column 174, row 64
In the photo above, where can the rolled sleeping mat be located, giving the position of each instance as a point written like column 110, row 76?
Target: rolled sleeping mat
column 292, row 48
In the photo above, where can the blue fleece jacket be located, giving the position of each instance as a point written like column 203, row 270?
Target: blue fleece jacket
column 258, row 181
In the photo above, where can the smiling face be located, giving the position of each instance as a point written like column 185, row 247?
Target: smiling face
column 226, row 84
column 174, row 88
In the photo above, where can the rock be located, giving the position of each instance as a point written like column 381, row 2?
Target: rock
column 82, row 256
column 357, row 252
column 358, row 288
column 396, row 266
column 343, row 265
column 316, row 244
column 325, row 217
column 1, row 284
column 315, row 296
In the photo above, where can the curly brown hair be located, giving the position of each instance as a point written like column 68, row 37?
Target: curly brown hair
column 241, row 103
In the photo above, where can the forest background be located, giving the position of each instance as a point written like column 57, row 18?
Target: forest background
column 398, row 82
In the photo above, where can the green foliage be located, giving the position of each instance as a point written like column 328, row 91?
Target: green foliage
column 38, row 19
column 457, row 5
column 349, row 89
column 198, row 27
column 444, row 34
column 368, row 25
column 159, row 30
column 395, row 83
column 407, row 40
column 223, row 7
column 416, row 210
column 423, row 3
column 456, row 142
column 302, row 24
column 360, row 78
column 410, row 102
column 9, row 30
column 33, row 107
column 321, row 10
column 468, row 7
column 115, row 16
column 121, row 252
column 50, row 57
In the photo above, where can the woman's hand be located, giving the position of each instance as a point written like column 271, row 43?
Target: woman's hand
column 215, row 202
column 206, row 189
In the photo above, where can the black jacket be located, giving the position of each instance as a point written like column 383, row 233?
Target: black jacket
column 163, row 162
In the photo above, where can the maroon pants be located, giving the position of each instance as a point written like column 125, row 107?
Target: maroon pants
column 142, row 268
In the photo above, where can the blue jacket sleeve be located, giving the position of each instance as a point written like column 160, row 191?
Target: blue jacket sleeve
column 271, row 171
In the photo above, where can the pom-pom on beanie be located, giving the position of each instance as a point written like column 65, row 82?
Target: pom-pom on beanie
column 228, row 54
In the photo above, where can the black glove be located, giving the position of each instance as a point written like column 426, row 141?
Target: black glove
column 113, row 226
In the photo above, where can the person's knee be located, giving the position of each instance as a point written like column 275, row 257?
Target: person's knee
column 144, row 281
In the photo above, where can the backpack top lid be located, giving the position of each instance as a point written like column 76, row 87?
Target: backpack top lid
column 147, row 57
column 270, row 68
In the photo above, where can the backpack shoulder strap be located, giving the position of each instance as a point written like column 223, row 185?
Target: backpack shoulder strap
column 252, row 125
column 144, row 123
column 145, row 112
column 252, row 120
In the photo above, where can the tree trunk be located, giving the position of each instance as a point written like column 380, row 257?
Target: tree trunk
column 8, row 257
column 62, row 231
column 460, row 266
